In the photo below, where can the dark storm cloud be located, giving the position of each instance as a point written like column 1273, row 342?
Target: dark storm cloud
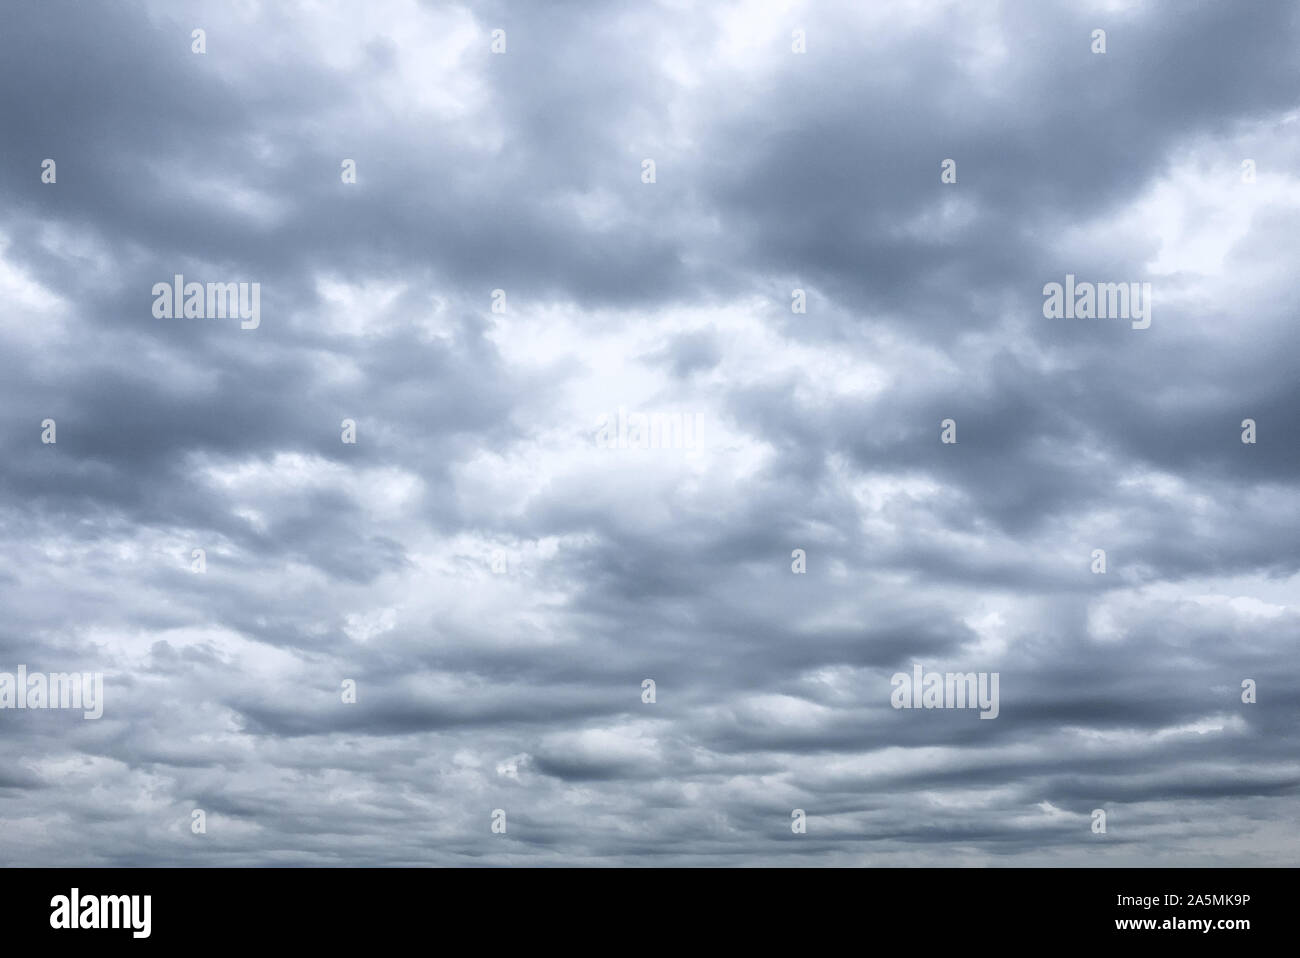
column 497, row 585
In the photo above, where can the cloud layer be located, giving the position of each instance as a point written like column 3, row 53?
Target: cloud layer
column 498, row 582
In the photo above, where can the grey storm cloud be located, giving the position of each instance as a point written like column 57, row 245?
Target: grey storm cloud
column 498, row 581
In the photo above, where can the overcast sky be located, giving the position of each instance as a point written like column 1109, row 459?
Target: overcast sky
column 478, row 433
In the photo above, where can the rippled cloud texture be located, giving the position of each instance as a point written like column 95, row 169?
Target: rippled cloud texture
column 498, row 566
